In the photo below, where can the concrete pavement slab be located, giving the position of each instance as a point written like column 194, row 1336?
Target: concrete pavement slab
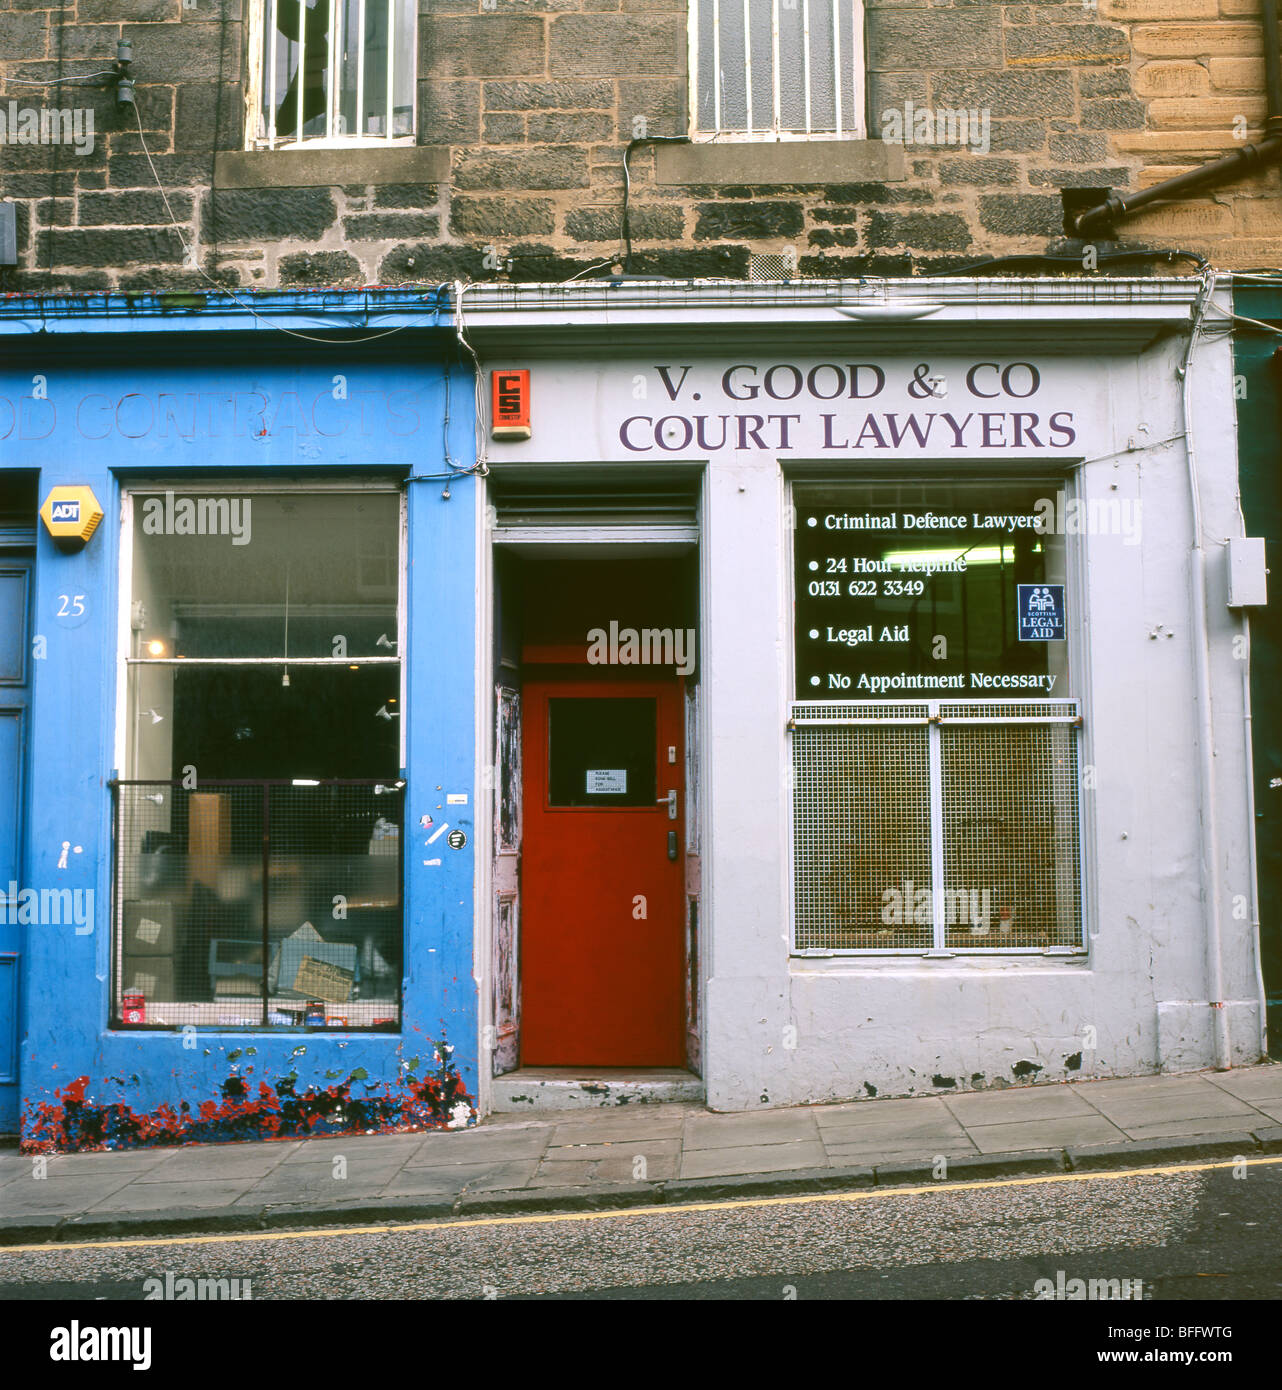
column 1142, row 1087
column 564, row 1174
column 654, row 1122
column 1205, row 1124
column 928, row 1129
column 479, row 1146
column 852, row 1155
column 455, row 1177
column 60, row 1195
column 318, row 1181
column 1206, row 1102
column 616, row 1148
column 14, row 1169
column 753, row 1158
column 1044, row 1134
column 1032, row 1103
column 172, row 1196
column 322, row 1156
column 621, row 1167
column 322, row 1148
column 758, row 1127
column 918, row 1108
column 1252, row 1083
column 208, row 1161
column 133, row 1161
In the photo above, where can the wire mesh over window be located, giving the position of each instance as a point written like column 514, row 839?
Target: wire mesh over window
column 936, row 825
column 257, row 904
column 861, row 849
column 1011, row 856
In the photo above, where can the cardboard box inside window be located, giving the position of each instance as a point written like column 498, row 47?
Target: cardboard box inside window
column 149, row 928
column 152, row 977
column 208, row 836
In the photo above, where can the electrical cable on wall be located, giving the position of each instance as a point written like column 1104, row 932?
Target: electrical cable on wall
column 189, row 255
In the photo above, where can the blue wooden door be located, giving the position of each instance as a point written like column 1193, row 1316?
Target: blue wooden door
column 15, row 699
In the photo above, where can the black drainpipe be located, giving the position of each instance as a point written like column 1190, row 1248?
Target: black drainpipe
column 1259, row 155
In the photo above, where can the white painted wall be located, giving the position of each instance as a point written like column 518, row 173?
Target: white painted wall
column 893, row 1024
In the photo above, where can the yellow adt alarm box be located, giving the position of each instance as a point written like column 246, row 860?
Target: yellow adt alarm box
column 71, row 515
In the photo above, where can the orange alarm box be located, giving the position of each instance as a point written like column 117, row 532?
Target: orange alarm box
column 510, row 404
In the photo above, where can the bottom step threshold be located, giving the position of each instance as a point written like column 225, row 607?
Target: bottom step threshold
column 533, row 1089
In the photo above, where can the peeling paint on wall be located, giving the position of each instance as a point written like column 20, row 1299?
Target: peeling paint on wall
column 75, row 1122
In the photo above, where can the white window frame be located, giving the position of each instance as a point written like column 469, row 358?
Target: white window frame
column 1078, row 652
column 258, row 139
column 848, row 16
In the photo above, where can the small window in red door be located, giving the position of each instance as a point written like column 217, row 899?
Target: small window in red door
column 601, row 752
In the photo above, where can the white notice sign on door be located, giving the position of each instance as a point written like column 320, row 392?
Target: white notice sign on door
column 607, row 779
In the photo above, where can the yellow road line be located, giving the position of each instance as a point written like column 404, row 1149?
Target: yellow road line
column 616, row 1213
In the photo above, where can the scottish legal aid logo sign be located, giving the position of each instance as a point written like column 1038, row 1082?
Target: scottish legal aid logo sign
column 1041, row 612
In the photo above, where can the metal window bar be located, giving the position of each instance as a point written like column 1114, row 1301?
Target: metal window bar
column 251, row 903
column 805, row 57
column 747, row 58
column 273, row 37
column 717, row 83
column 360, row 68
column 836, row 63
column 398, row 20
column 950, row 826
column 715, row 53
column 302, row 69
column 774, row 63
column 391, row 65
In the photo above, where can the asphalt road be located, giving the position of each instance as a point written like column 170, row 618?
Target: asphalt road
column 1192, row 1234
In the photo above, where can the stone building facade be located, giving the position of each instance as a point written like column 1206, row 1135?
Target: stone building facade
column 527, row 109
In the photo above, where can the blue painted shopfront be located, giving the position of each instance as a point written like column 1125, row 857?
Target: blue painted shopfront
column 106, row 394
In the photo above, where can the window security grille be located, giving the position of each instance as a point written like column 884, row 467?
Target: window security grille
column 936, row 825
column 766, row 266
column 334, row 71
column 777, row 68
column 216, row 881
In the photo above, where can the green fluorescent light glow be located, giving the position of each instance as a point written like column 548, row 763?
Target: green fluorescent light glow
column 980, row 555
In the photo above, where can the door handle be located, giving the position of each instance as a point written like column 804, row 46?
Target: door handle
column 670, row 801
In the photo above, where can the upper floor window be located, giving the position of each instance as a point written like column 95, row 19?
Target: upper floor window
column 332, row 72
column 777, row 69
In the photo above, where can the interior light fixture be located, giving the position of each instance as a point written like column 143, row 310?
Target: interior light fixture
column 888, row 313
column 155, row 647
column 977, row 555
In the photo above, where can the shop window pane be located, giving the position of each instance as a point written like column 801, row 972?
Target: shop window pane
column 602, row 752
column 914, row 590
column 243, row 721
column 217, row 573
column 242, row 899
column 344, row 45
column 191, row 946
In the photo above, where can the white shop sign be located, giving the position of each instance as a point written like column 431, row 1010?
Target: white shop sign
column 850, row 406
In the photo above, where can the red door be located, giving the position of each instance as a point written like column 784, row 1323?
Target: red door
column 603, row 940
